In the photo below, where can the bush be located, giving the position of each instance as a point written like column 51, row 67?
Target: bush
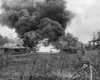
column 4, row 60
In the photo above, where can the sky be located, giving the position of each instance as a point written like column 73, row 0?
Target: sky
column 86, row 22
column 83, row 25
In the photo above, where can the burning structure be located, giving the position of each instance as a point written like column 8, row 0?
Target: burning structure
column 13, row 49
column 36, row 20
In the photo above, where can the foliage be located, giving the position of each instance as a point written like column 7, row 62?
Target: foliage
column 47, row 65
column 67, row 41
column 96, row 41
column 31, row 39
column 90, row 65
column 4, row 60
column 43, row 65
column 3, row 40
column 89, row 46
column 92, row 57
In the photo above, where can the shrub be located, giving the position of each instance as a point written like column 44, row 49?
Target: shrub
column 4, row 60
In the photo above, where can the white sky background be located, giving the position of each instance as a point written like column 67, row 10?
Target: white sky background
column 87, row 20
column 83, row 25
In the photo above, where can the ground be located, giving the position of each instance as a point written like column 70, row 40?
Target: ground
column 22, row 64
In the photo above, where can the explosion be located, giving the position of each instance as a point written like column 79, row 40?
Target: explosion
column 35, row 20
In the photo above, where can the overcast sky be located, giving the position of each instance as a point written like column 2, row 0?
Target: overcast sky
column 87, row 20
column 84, row 24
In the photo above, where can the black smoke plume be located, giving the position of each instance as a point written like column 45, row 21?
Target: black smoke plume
column 49, row 17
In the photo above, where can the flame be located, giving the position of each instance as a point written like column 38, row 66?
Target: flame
column 42, row 47
column 48, row 49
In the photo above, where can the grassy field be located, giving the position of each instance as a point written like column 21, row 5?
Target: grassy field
column 23, row 64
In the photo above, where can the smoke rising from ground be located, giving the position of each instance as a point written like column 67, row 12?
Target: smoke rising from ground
column 17, row 5
column 28, row 15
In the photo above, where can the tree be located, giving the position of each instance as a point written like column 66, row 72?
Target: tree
column 66, row 42
column 31, row 39
column 3, row 40
column 96, row 41
column 89, row 46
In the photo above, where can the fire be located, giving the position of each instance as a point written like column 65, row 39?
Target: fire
column 48, row 49
column 44, row 47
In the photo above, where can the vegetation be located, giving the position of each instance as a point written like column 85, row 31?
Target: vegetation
column 67, row 43
column 4, row 60
column 95, row 42
column 53, row 66
column 3, row 40
column 47, row 20
column 50, row 66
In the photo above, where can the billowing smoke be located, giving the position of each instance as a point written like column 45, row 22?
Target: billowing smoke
column 19, row 5
column 48, row 18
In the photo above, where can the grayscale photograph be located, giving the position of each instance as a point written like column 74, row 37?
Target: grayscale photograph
column 49, row 39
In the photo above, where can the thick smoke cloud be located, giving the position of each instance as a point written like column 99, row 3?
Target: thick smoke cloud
column 17, row 5
column 33, row 15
